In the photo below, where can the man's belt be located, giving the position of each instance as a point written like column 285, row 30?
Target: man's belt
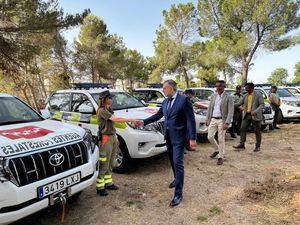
column 217, row 118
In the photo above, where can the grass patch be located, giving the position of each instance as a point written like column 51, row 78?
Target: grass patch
column 215, row 210
column 275, row 174
column 202, row 218
column 296, row 177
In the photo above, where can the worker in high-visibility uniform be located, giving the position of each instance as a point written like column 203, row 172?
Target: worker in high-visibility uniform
column 108, row 142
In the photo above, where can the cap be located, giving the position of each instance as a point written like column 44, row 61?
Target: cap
column 105, row 94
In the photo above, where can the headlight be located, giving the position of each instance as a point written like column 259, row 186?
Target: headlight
column 88, row 141
column 202, row 112
column 149, row 127
column 290, row 103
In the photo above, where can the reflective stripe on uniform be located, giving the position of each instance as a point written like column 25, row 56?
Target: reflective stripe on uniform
column 108, row 181
column 100, row 183
column 102, row 159
column 107, row 176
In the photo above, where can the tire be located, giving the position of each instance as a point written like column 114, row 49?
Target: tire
column 280, row 117
column 123, row 159
column 264, row 126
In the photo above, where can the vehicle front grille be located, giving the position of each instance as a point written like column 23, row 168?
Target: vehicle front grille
column 267, row 110
column 31, row 168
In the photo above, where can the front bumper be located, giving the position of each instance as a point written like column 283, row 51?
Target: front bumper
column 19, row 202
column 268, row 119
column 201, row 128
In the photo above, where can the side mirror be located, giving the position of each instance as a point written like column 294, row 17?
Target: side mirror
column 86, row 109
column 45, row 113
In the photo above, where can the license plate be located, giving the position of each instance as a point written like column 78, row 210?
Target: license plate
column 58, row 185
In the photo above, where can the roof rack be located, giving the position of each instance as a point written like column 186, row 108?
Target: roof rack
column 154, row 85
column 88, row 86
column 292, row 85
column 264, row 85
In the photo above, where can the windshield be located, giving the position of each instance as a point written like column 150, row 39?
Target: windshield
column 231, row 92
column 13, row 111
column 122, row 100
column 283, row 93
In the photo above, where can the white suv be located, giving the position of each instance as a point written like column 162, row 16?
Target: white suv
column 41, row 161
column 79, row 107
column 155, row 96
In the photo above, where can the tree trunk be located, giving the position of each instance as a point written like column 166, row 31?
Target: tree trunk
column 186, row 77
column 34, row 98
column 245, row 73
column 225, row 76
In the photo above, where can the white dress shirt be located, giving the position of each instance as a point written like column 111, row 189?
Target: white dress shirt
column 217, row 106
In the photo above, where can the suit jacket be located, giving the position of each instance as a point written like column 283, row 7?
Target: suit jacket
column 227, row 108
column 258, row 105
column 179, row 120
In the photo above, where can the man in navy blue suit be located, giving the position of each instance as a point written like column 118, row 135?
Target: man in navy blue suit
column 179, row 119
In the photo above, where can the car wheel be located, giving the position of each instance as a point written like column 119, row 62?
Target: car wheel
column 123, row 160
column 280, row 117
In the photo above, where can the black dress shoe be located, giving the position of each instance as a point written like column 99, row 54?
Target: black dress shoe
column 172, row 184
column 278, row 128
column 220, row 161
column 214, row 155
column 112, row 187
column 233, row 136
column 176, row 201
column 257, row 149
column 239, row 147
column 102, row 192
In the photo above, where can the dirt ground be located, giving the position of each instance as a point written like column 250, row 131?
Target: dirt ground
column 250, row 188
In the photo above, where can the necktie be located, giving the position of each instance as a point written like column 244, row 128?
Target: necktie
column 169, row 104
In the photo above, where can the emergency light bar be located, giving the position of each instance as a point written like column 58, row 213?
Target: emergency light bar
column 88, row 86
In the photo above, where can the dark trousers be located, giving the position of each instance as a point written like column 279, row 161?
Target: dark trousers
column 257, row 129
column 275, row 117
column 236, row 123
column 176, row 155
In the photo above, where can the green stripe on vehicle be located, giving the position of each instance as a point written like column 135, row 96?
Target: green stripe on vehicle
column 57, row 115
column 94, row 119
column 120, row 125
column 74, row 117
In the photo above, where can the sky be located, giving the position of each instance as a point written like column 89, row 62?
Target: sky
column 136, row 21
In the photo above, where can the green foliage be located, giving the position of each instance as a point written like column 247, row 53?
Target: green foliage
column 278, row 77
column 297, row 73
column 246, row 25
column 135, row 69
column 99, row 55
column 173, row 45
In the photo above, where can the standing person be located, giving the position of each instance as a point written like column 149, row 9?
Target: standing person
column 253, row 103
column 108, row 142
column 179, row 118
column 275, row 104
column 219, row 117
column 237, row 116
column 190, row 94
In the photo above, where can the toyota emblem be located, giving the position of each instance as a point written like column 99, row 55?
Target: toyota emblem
column 56, row 159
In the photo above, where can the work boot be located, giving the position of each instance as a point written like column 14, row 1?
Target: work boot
column 102, row 192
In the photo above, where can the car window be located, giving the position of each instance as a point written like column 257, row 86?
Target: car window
column 263, row 94
column 80, row 100
column 284, row 93
column 154, row 95
column 60, row 102
column 206, row 94
column 293, row 91
column 13, row 111
column 122, row 100
column 141, row 95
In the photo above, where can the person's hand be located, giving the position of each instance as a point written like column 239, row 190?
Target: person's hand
column 242, row 109
column 206, row 123
column 138, row 123
column 253, row 113
column 225, row 126
column 193, row 144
